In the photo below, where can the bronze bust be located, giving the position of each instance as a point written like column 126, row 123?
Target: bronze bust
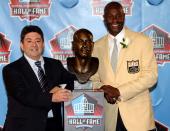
column 82, row 64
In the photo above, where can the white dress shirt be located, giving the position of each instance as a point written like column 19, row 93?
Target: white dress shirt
column 119, row 39
column 33, row 66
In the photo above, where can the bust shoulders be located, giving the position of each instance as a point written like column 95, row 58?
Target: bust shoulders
column 91, row 66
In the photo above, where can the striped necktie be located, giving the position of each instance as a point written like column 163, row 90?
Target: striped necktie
column 114, row 56
column 41, row 76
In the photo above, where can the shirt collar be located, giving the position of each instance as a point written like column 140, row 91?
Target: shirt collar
column 32, row 62
column 119, row 37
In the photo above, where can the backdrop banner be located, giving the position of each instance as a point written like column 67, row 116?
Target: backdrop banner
column 59, row 19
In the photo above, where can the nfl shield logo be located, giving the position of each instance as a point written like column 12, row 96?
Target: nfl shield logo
column 133, row 66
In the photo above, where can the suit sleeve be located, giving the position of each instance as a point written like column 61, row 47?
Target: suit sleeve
column 66, row 77
column 18, row 88
column 148, row 72
column 96, row 77
column 96, row 81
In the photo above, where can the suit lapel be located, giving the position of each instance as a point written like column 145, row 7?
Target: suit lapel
column 29, row 73
column 48, row 71
column 123, row 51
column 105, row 48
column 47, row 67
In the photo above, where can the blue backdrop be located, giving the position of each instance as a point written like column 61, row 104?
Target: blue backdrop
column 59, row 19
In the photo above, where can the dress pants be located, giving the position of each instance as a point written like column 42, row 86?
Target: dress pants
column 120, row 126
column 53, row 125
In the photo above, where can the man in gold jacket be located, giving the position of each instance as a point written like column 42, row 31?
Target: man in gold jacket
column 126, row 88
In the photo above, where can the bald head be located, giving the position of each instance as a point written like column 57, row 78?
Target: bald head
column 82, row 31
column 114, row 5
column 114, row 18
column 82, row 44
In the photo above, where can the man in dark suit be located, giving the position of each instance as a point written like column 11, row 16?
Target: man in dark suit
column 30, row 95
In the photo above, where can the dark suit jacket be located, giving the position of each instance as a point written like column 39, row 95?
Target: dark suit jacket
column 28, row 106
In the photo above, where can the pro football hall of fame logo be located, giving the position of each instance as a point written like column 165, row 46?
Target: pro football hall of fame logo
column 84, row 113
column 29, row 9
column 4, row 49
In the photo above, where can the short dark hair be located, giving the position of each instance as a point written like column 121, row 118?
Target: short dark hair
column 31, row 28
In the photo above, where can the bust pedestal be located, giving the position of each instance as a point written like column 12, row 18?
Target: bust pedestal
column 85, row 111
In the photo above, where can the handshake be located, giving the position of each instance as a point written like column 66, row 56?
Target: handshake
column 110, row 93
column 60, row 94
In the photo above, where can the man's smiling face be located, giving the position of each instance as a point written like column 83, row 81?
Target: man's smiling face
column 114, row 18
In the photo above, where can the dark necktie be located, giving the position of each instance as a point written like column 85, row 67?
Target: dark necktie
column 41, row 76
column 114, row 56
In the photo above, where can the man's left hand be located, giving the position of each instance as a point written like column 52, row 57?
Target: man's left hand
column 111, row 91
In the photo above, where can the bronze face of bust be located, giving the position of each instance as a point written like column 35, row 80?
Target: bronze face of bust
column 82, row 65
